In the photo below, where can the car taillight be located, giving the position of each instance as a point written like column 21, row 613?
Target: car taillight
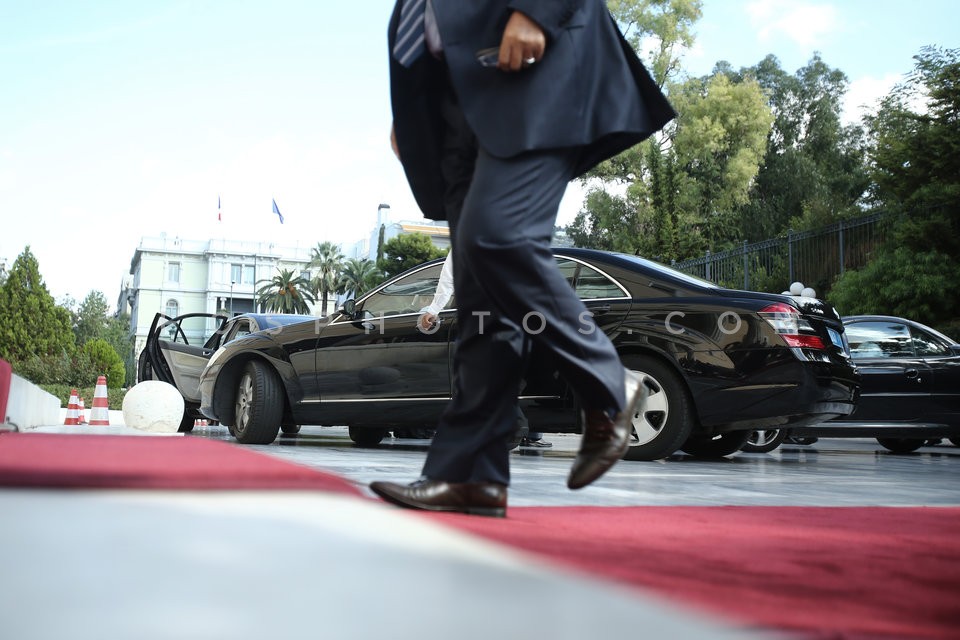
column 788, row 324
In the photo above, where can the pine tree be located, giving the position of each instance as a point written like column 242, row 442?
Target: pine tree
column 31, row 323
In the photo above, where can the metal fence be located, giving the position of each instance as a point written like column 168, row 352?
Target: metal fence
column 814, row 257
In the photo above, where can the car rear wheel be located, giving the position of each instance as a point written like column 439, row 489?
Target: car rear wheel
column 764, row 440
column 259, row 405
column 666, row 418
column 716, row 446
column 290, row 429
column 901, row 445
column 367, row 437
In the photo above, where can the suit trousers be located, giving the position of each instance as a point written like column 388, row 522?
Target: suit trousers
column 508, row 288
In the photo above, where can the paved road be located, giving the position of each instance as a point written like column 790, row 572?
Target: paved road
column 832, row 472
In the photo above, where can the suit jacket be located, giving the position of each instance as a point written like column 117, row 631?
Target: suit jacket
column 589, row 90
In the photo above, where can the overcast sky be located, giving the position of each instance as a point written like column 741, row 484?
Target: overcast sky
column 122, row 119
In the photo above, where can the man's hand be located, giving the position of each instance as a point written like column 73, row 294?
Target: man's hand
column 427, row 321
column 522, row 44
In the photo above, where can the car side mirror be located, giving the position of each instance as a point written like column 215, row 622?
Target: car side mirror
column 350, row 307
column 955, row 349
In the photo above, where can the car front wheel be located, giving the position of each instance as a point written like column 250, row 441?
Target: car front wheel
column 764, row 440
column 665, row 420
column 259, row 405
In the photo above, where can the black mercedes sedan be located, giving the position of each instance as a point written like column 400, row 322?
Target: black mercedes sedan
column 910, row 385
column 718, row 363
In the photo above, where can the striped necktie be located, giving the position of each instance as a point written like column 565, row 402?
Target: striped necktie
column 409, row 43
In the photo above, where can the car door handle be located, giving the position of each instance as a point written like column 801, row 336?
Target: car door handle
column 600, row 310
column 913, row 374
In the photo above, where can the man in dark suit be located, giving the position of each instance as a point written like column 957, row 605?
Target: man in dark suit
column 489, row 142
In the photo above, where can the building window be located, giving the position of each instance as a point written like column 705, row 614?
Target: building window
column 248, row 274
column 173, row 272
column 235, row 273
column 305, row 275
column 173, row 308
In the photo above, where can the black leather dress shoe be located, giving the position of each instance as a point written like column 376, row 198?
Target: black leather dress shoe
column 476, row 498
column 606, row 439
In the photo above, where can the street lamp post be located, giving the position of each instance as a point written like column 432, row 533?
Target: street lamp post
column 231, row 297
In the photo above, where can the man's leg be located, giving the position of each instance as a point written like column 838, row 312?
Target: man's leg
column 508, row 286
column 504, row 235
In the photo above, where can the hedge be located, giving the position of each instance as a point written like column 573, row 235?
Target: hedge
column 62, row 391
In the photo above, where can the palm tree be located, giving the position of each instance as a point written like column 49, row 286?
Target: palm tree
column 327, row 259
column 358, row 275
column 285, row 293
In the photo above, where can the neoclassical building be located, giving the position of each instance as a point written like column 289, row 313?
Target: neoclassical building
column 176, row 276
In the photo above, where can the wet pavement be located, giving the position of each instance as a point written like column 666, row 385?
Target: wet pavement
column 831, row 472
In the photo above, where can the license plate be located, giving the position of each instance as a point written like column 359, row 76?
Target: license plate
column 836, row 339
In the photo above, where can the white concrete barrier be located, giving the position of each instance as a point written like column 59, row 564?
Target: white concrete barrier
column 29, row 406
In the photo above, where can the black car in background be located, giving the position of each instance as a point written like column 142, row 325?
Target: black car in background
column 910, row 385
column 718, row 362
column 177, row 351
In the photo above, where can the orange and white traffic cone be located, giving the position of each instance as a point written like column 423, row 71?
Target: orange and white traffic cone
column 73, row 406
column 100, row 413
column 81, row 417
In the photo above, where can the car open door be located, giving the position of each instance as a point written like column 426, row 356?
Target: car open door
column 178, row 350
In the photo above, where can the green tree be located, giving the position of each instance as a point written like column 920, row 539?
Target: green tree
column 105, row 361
column 721, row 139
column 406, row 251
column 916, row 173
column 660, row 29
column 90, row 320
column 327, row 259
column 380, row 241
column 31, row 324
column 117, row 333
column 358, row 276
column 285, row 293
column 813, row 171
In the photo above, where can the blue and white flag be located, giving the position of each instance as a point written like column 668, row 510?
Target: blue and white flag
column 276, row 210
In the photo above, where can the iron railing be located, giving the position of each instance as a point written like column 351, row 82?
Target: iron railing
column 814, row 257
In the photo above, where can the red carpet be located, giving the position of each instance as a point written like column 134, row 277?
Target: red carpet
column 825, row 572
column 140, row 462
column 821, row 572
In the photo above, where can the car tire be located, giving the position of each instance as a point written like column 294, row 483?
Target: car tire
column 258, row 405
column 186, row 423
column 367, row 437
column 666, row 419
column 902, row 445
column 290, row 429
column 764, row 440
column 716, row 446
